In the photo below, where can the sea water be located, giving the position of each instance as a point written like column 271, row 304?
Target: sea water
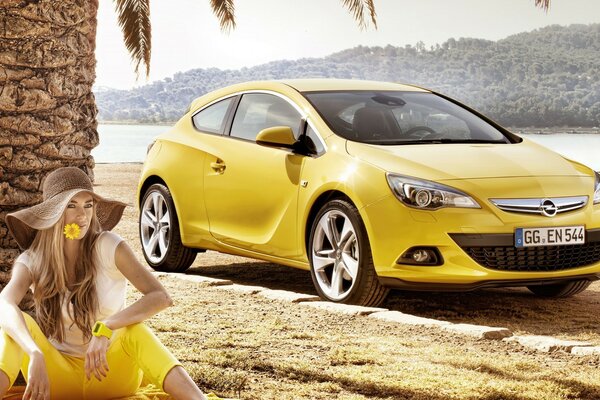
column 125, row 143
column 129, row 143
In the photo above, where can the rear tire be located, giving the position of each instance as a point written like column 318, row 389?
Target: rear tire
column 340, row 257
column 560, row 290
column 159, row 232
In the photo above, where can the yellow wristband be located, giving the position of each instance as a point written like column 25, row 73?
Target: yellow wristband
column 100, row 329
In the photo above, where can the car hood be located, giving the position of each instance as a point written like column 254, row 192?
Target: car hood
column 468, row 161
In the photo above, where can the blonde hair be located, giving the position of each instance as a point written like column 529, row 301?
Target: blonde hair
column 49, row 275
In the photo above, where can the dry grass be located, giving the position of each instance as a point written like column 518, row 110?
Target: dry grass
column 247, row 346
column 254, row 348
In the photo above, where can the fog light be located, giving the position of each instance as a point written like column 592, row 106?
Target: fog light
column 421, row 256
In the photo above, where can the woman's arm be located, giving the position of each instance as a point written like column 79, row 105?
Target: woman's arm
column 12, row 321
column 155, row 298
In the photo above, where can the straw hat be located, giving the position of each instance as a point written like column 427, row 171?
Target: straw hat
column 58, row 189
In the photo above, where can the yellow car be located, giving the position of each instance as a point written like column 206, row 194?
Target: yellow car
column 371, row 186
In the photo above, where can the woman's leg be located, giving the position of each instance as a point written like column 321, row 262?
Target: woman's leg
column 62, row 371
column 158, row 364
column 180, row 385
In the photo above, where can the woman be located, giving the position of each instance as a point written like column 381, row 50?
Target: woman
column 85, row 343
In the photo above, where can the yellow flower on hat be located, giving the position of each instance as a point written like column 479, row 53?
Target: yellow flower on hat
column 72, row 231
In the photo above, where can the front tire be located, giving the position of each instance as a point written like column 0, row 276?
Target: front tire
column 159, row 232
column 560, row 290
column 340, row 257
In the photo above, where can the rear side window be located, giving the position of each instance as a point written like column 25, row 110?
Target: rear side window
column 212, row 119
column 258, row 111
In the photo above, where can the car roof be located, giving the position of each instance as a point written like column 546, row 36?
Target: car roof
column 314, row 85
column 304, row 85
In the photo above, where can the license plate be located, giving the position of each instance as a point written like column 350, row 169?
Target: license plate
column 526, row 237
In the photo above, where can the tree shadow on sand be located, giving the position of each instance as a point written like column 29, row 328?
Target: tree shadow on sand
column 513, row 308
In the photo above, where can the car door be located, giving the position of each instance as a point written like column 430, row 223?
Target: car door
column 251, row 191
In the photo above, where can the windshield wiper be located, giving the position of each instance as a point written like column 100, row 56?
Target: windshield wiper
column 446, row 140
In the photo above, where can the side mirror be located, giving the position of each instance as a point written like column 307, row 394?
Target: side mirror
column 276, row 136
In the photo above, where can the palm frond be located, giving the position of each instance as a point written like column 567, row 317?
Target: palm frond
column 544, row 4
column 224, row 10
column 357, row 8
column 134, row 20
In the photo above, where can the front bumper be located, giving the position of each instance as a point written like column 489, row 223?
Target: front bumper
column 465, row 287
column 498, row 252
column 477, row 247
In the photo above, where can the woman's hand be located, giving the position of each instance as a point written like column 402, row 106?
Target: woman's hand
column 38, row 385
column 95, row 358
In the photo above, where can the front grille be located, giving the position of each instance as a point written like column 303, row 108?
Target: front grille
column 547, row 206
column 495, row 252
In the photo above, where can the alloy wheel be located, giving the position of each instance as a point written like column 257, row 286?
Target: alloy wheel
column 155, row 224
column 335, row 254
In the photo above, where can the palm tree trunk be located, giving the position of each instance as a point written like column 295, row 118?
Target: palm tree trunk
column 47, row 108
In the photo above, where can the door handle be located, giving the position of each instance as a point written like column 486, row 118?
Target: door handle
column 218, row 166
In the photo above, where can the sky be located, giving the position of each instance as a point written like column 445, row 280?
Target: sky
column 186, row 34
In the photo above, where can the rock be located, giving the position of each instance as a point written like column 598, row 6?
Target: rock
column 546, row 343
column 285, row 295
column 585, row 351
column 342, row 308
column 206, row 281
column 479, row 331
column 407, row 319
column 241, row 288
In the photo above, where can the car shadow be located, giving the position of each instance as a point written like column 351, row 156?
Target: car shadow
column 514, row 308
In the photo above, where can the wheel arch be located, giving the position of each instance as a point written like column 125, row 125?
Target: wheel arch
column 150, row 180
column 155, row 179
column 319, row 202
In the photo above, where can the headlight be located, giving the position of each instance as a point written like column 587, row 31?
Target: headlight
column 428, row 195
column 597, row 189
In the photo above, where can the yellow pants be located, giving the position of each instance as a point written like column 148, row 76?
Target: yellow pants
column 134, row 352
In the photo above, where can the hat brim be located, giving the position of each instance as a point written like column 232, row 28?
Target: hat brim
column 24, row 224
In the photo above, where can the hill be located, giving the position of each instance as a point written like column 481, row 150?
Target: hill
column 544, row 78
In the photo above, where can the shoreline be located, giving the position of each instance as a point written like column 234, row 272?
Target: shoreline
column 556, row 131
column 571, row 130
column 137, row 123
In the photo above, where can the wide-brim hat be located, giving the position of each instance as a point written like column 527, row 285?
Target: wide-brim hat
column 57, row 191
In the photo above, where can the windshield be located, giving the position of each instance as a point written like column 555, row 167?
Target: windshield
column 391, row 118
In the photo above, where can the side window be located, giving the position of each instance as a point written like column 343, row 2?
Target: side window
column 212, row 118
column 258, row 111
column 315, row 142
